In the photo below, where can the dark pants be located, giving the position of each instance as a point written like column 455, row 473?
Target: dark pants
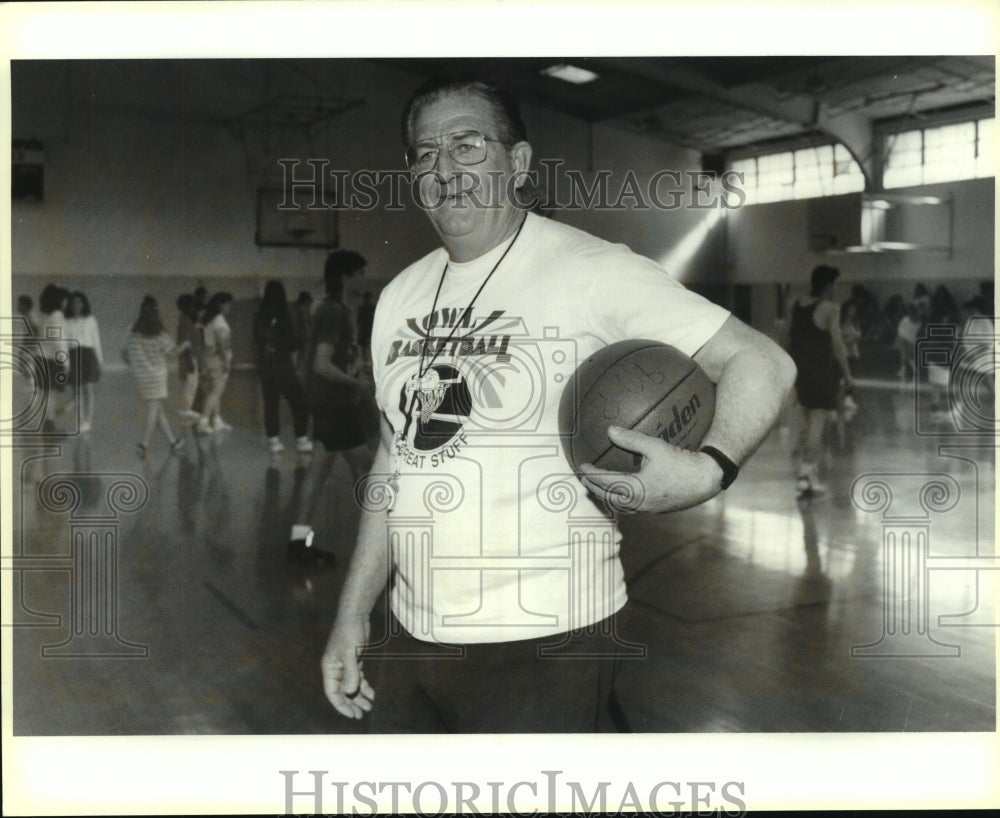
column 277, row 382
column 555, row 684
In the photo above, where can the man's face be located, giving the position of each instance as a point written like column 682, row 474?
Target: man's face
column 470, row 204
column 353, row 285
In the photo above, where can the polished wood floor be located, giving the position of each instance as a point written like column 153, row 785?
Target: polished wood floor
column 868, row 609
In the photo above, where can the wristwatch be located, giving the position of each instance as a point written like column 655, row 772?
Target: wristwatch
column 729, row 469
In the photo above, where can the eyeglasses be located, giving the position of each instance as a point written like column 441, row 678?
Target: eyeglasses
column 465, row 147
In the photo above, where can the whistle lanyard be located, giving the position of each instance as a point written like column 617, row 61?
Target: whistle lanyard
column 423, row 368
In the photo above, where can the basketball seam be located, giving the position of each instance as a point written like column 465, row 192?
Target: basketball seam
column 646, row 414
column 650, row 345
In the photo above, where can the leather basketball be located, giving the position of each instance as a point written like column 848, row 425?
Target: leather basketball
column 643, row 385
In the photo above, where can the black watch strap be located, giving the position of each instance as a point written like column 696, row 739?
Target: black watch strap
column 729, row 469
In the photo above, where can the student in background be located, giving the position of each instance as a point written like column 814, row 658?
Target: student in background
column 52, row 327
column 302, row 324
column 851, row 334
column 366, row 318
column 218, row 361
column 145, row 351
column 87, row 357
column 333, row 391
column 189, row 336
column 200, row 305
column 200, row 302
column 332, row 388
column 274, row 343
column 817, row 347
column 26, row 309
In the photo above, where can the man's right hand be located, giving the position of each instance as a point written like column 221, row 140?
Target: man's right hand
column 343, row 679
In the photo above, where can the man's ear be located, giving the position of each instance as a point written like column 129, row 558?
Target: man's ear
column 520, row 156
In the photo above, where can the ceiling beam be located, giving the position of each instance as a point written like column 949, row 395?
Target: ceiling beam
column 856, row 133
column 853, row 130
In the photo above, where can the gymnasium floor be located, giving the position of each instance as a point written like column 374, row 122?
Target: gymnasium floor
column 757, row 613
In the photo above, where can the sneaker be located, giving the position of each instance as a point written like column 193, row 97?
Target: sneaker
column 176, row 445
column 302, row 551
column 188, row 418
column 303, row 445
column 302, row 534
column 203, row 428
column 849, row 409
column 274, row 445
column 219, row 425
column 807, row 483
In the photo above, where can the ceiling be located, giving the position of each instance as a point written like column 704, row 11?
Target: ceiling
column 729, row 105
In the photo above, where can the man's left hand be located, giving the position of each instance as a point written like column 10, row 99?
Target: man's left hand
column 670, row 479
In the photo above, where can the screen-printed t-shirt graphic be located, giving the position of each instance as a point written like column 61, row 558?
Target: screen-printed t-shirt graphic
column 454, row 357
column 442, row 403
column 493, row 536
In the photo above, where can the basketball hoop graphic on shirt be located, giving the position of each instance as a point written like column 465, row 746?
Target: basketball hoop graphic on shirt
column 430, row 391
column 441, row 402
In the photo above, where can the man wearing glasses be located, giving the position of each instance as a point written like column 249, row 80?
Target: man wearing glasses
column 505, row 588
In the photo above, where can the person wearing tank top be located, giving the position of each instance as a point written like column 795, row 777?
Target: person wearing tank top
column 817, row 347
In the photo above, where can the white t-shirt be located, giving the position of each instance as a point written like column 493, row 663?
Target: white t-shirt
column 218, row 341
column 493, row 537
column 53, row 327
column 87, row 332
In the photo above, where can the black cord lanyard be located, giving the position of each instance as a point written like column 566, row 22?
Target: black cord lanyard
column 421, row 367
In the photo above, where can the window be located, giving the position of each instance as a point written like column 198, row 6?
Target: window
column 824, row 170
column 775, row 177
column 847, row 175
column 985, row 140
column 748, row 167
column 905, row 159
column 812, row 169
column 946, row 153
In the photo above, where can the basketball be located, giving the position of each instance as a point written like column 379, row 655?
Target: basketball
column 647, row 386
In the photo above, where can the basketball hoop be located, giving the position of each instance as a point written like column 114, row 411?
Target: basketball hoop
column 298, row 226
column 430, row 392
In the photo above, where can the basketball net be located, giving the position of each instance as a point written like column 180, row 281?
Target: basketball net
column 430, row 392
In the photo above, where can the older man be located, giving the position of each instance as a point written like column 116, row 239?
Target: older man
column 504, row 617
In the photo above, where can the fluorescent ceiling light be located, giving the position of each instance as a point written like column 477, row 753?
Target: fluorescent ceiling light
column 890, row 200
column 570, row 73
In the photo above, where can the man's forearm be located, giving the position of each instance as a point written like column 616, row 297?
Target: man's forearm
column 368, row 572
column 369, row 568
column 750, row 394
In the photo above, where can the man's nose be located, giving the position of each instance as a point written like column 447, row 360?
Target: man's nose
column 444, row 164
